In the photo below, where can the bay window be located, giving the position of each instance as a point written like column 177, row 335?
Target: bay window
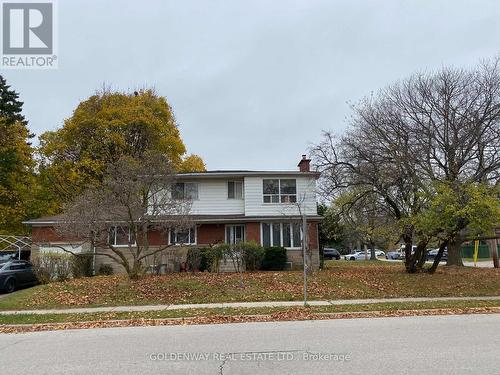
column 281, row 234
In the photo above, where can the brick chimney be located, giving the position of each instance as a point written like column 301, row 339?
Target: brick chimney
column 304, row 164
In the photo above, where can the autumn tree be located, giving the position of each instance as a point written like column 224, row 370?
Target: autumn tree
column 474, row 206
column 133, row 201
column 192, row 163
column 103, row 129
column 16, row 162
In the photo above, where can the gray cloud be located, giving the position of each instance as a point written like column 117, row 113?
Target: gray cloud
column 252, row 83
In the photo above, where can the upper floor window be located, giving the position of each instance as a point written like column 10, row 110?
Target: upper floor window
column 235, row 190
column 183, row 236
column 185, row 190
column 279, row 190
column 120, row 236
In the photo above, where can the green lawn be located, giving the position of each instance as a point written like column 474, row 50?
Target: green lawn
column 340, row 280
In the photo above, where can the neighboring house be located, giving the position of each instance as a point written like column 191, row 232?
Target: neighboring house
column 227, row 207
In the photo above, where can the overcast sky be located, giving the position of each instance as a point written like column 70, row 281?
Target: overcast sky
column 252, row 83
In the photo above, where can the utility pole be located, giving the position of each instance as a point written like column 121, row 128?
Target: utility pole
column 304, row 254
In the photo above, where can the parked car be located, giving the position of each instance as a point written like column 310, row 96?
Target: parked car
column 330, row 253
column 15, row 274
column 431, row 255
column 358, row 255
column 394, row 255
column 5, row 256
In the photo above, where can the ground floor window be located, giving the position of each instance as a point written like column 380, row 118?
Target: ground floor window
column 281, row 234
column 183, row 236
column 235, row 234
column 120, row 236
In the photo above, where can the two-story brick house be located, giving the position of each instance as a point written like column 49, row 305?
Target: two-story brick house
column 231, row 206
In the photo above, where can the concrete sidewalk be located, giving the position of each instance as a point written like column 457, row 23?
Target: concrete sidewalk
column 244, row 305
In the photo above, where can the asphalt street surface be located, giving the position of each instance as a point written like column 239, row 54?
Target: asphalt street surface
column 466, row 344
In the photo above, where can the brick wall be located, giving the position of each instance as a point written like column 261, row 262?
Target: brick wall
column 44, row 234
column 313, row 235
column 210, row 234
column 253, row 232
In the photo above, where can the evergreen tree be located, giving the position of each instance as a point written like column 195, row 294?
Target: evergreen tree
column 16, row 163
column 10, row 106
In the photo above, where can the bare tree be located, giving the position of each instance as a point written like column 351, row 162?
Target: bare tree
column 441, row 127
column 134, row 201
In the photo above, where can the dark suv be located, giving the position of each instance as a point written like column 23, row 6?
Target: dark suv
column 16, row 274
column 329, row 253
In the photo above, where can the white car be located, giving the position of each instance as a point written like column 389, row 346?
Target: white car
column 358, row 255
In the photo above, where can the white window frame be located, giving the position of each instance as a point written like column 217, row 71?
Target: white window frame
column 279, row 191
column 281, row 234
column 231, row 226
column 193, row 229
column 184, row 190
column 242, row 191
column 115, row 231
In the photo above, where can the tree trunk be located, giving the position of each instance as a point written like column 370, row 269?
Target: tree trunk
column 408, row 245
column 423, row 258
column 137, row 270
column 493, row 245
column 454, row 252
column 372, row 251
column 413, row 265
column 437, row 259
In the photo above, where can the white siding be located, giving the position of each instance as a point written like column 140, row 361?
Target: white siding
column 212, row 199
column 254, row 205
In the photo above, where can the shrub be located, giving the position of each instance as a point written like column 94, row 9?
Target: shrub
column 52, row 267
column 253, row 254
column 209, row 257
column 204, row 259
column 105, row 269
column 274, row 258
column 194, row 259
column 43, row 268
column 215, row 255
column 82, row 265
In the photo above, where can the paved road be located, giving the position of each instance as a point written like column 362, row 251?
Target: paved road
column 466, row 344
